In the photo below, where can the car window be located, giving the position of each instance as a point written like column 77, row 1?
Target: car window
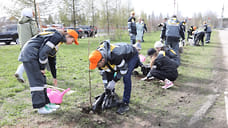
column 3, row 29
column 9, row 28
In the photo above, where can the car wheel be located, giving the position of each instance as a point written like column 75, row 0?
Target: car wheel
column 17, row 41
column 82, row 36
column 85, row 35
column 7, row 43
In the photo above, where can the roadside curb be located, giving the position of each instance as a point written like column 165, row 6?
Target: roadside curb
column 198, row 115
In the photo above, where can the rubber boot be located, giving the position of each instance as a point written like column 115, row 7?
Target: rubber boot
column 19, row 73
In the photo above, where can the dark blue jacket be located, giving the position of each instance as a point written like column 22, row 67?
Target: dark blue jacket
column 207, row 28
column 117, row 57
column 40, row 47
column 174, row 29
column 132, row 25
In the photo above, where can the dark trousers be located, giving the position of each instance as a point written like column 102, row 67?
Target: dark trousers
column 189, row 35
column 127, row 78
column 208, row 37
column 176, row 60
column 173, row 42
column 133, row 38
column 162, row 75
column 37, row 83
column 199, row 37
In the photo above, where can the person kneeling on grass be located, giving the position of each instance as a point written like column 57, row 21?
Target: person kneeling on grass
column 162, row 68
column 120, row 60
column 169, row 52
column 34, row 56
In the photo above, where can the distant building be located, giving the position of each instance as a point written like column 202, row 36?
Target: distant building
column 225, row 22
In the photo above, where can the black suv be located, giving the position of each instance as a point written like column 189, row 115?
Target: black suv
column 90, row 31
column 80, row 31
column 9, row 34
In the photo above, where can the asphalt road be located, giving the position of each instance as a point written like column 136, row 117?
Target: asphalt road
column 224, row 42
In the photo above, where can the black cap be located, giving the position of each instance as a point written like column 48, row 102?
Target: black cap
column 151, row 51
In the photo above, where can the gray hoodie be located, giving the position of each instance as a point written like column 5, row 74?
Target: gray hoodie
column 26, row 28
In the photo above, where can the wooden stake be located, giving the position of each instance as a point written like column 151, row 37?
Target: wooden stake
column 90, row 93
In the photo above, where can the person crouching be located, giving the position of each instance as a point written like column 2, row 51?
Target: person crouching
column 162, row 68
column 120, row 60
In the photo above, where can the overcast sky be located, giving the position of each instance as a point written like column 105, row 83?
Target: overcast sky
column 186, row 7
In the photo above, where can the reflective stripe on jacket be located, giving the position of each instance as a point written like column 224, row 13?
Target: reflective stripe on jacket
column 39, row 47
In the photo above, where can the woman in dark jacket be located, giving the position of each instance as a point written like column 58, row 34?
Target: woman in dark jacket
column 162, row 68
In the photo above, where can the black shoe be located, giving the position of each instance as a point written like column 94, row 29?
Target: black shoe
column 124, row 107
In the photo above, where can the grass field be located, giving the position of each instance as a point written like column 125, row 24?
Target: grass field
column 150, row 104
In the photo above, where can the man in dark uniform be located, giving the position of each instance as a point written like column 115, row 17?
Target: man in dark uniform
column 132, row 27
column 183, row 26
column 118, row 60
column 34, row 56
column 163, row 29
column 190, row 30
column 173, row 32
column 145, row 29
column 207, row 30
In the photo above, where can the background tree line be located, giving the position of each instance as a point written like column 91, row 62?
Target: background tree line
column 107, row 15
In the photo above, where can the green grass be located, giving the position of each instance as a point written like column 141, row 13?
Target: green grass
column 148, row 98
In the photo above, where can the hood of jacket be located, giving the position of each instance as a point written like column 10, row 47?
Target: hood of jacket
column 25, row 19
column 105, row 49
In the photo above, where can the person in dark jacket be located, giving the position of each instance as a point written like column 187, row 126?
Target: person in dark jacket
column 163, row 29
column 118, row 60
column 199, row 36
column 190, row 32
column 162, row 68
column 144, row 68
column 132, row 27
column 207, row 30
column 34, row 56
column 173, row 33
column 167, row 51
column 145, row 29
column 183, row 26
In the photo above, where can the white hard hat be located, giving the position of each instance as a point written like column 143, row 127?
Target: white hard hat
column 27, row 12
column 158, row 44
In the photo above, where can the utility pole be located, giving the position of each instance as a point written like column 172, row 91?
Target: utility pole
column 221, row 25
column 177, row 10
column 174, row 7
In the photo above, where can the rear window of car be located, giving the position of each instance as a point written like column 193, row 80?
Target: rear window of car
column 9, row 28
